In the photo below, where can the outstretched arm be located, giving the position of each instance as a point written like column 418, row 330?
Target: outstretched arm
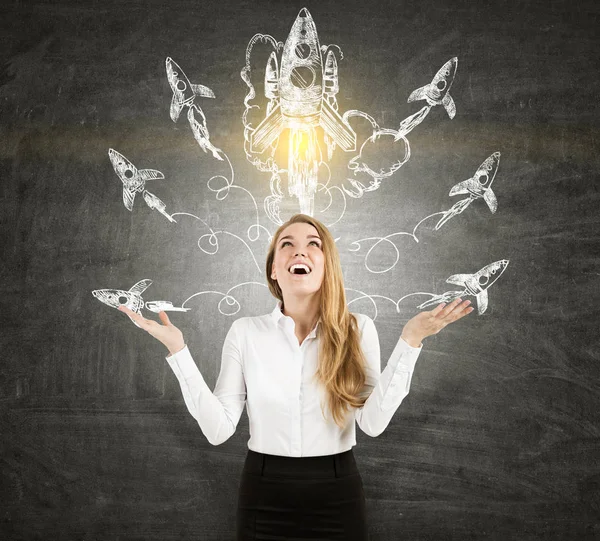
column 387, row 390
column 218, row 412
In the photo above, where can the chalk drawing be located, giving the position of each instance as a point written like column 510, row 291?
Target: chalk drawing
column 476, row 285
column 479, row 186
column 301, row 112
column 438, row 91
column 184, row 92
column 132, row 299
column 435, row 93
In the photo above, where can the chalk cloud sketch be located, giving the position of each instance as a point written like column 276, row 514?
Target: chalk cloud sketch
column 476, row 285
column 156, row 204
column 132, row 299
column 435, row 93
column 200, row 131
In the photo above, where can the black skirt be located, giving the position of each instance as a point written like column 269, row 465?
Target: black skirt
column 317, row 497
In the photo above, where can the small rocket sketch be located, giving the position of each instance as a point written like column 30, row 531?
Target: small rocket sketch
column 479, row 186
column 184, row 95
column 437, row 92
column 134, row 181
column 184, row 92
column 302, row 93
column 474, row 284
column 133, row 300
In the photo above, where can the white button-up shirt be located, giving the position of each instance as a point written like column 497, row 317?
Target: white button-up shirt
column 265, row 368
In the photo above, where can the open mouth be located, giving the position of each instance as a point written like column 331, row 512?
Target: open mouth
column 299, row 270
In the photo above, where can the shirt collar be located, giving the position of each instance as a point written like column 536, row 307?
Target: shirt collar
column 278, row 315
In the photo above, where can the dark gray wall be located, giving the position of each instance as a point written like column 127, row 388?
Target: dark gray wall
column 499, row 438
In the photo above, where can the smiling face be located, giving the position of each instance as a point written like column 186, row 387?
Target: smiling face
column 298, row 243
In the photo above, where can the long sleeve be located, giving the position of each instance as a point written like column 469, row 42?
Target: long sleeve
column 217, row 413
column 387, row 389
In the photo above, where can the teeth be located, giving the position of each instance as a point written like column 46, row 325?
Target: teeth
column 299, row 266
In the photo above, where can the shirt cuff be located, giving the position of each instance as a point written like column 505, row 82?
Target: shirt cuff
column 405, row 356
column 183, row 364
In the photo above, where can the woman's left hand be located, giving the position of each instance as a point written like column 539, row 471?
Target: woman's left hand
column 432, row 322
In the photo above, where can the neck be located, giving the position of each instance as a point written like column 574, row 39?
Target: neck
column 304, row 310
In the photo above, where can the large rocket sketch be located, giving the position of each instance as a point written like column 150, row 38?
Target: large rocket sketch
column 302, row 97
column 304, row 92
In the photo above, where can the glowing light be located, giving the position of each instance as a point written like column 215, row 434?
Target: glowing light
column 304, row 156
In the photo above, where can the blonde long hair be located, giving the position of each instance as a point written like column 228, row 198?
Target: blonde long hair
column 342, row 364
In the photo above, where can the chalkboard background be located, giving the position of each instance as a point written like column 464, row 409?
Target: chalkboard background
column 500, row 435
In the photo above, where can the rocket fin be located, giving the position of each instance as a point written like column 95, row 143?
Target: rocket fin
column 465, row 187
column 203, row 91
column 128, row 197
column 482, row 302
column 333, row 124
column 150, row 174
column 490, row 199
column 176, row 105
column 267, row 131
column 449, row 105
column 418, row 94
column 141, row 286
column 458, row 279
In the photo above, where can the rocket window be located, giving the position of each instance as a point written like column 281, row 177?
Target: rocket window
column 302, row 51
column 302, row 77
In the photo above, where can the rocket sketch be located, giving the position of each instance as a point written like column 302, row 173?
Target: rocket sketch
column 438, row 91
column 435, row 93
column 184, row 95
column 133, row 300
column 301, row 85
column 134, row 181
column 479, row 186
column 184, row 92
column 303, row 91
column 476, row 284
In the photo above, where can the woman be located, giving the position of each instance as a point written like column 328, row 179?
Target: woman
column 305, row 372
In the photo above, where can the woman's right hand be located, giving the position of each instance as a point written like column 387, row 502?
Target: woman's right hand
column 167, row 333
